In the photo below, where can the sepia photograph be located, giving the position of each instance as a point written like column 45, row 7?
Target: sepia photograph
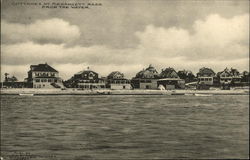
column 124, row 79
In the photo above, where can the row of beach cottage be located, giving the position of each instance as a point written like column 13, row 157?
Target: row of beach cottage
column 45, row 76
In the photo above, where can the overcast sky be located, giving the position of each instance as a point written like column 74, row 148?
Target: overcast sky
column 126, row 36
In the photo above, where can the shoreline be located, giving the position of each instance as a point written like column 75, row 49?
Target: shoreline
column 39, row 92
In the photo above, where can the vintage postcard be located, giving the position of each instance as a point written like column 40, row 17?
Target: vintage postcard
column 124, row 79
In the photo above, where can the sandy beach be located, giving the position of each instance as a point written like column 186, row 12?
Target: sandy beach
column 18, row 91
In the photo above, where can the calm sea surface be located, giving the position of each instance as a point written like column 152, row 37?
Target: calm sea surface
column 124, row 127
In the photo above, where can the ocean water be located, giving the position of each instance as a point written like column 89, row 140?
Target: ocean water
column 124, row 127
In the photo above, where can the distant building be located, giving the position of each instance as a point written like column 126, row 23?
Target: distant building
column 225, row 76
column 44, row 76
column 205, row 76
column 15, row 85
column 236, row 76
column 245, row 77
column 169, row 79
column 229, row 76
column 86, row 79
column 116, row 80
column 146, row 79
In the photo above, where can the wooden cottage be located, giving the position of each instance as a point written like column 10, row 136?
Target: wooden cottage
column 205, row 76
column 236, row 76
column 116, row 80
column 169, row 79
column 86, row 79
column 229, row 76
column 146, row 79
column 44, row 76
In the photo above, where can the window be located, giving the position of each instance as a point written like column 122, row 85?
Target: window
column 124, row 87
column 44, row 80
column 49, row 80
column 37, row 80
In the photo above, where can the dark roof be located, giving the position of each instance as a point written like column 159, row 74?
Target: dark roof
column 234, row 72
column 85, row 72
column 169, row 73
column 43, row 68
column 149, row 72
column 225, row 71
column 116, row 75
column 45, row 77
column 206, row 72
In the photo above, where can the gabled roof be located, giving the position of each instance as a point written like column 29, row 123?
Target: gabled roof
column 116, row 75
column 224, row 72
column 232, row 72
column 205, row 72
column 42, row 68
column 169, row 73
column 85, row 72
column 149, row 72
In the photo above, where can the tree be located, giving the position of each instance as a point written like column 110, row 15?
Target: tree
column 190, row 77
column 187, row 75
column 182, row 74
column 245, row 76
column 6, row 76
column 10, row 79
column 13, row 79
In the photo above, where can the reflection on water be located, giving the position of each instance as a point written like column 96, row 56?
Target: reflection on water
column 123, row 127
